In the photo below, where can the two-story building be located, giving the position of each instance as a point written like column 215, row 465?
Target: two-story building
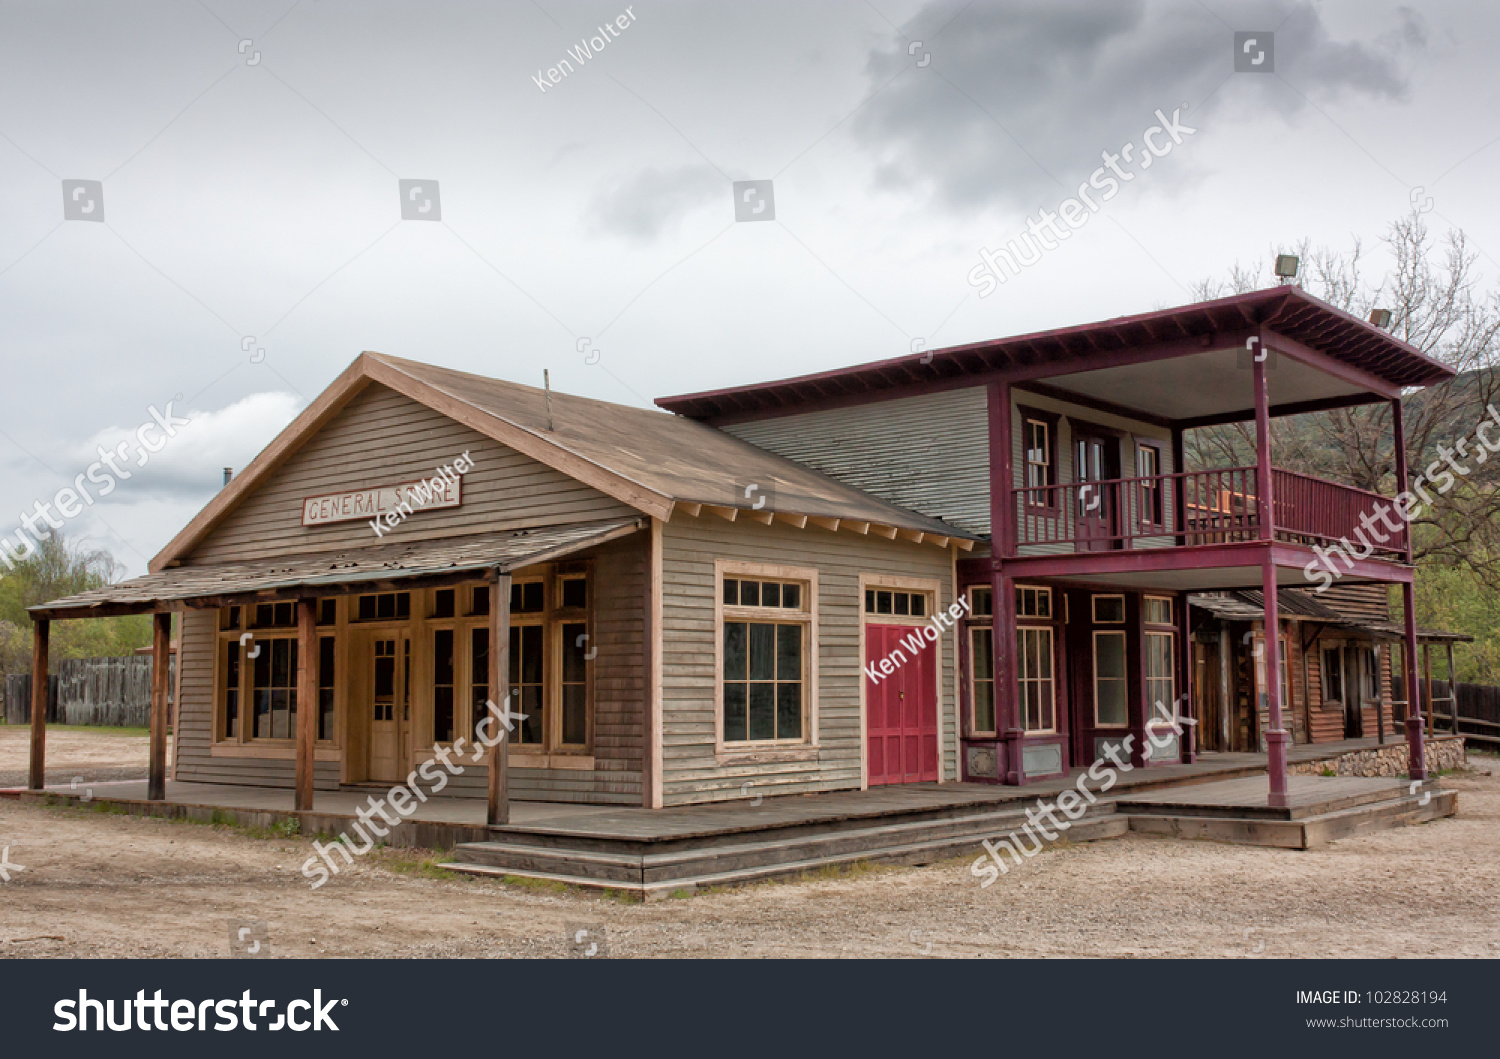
column 965, row 565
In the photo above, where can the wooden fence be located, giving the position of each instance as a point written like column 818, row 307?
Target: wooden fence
column 114, row 692
column 1477, row 711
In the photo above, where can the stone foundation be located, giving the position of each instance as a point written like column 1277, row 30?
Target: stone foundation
column 1442, row 752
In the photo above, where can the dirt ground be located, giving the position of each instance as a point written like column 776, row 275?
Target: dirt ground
column 97, row 884
column 89, row 754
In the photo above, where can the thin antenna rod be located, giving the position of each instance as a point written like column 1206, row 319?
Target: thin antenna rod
column 547, row 385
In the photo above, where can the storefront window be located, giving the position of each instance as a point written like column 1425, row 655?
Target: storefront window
column 1034, row 678
column 1110, row 699
column 763, row 639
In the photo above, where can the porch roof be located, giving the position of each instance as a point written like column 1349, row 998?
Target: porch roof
column 1354, row 344
column 1249, row 605
column 411, row 564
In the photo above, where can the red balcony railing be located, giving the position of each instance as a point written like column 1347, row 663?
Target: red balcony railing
column 1217, row 507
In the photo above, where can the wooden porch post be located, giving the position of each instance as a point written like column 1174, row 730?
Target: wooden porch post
column 1427, row 692
column 161, row 662
column 1179, row 499
column 1188, row 744
column 1265, row 505
column 307, row 701
column 1379, row 702
column 499, row 805
column 1276, row 735
column 1417, row 756
column 1452, row 688
column 1417, row 751
column 41, row 631
column 1002, row 547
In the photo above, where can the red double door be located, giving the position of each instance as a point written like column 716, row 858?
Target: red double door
column 901, row 716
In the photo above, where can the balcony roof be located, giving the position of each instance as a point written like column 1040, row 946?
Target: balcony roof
column 1100, row 349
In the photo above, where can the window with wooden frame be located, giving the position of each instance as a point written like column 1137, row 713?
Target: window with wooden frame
column 1111, row 696
column 1109, row 610
column 1160, row 645
column 1035, row 678
column 764, row 637
column 1333, row 673
column 1039, row 457
column 1033, row 601
column 255, row 682
column 1152, row 498
column 551, row 662
column 981, row 680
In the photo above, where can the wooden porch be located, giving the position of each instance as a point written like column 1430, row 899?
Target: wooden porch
column 652, row 852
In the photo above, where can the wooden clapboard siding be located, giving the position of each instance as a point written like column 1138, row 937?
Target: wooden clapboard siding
column 1062, row 455
column 1370, row 602
column 929, row 453
column 690, row 546
column 383, row 438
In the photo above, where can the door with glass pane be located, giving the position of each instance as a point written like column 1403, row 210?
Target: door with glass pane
column 1096, row 466
column 384, row 707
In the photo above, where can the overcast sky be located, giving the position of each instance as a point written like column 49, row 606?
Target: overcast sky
column 252, row 240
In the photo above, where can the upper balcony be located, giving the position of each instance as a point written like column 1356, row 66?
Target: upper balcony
column 1195, row 508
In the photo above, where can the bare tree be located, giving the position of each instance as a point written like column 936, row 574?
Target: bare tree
column 1432, row 292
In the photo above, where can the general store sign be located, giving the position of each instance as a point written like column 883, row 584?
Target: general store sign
column 425, row 495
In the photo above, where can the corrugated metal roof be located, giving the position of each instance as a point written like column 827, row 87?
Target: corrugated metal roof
column 334, row 573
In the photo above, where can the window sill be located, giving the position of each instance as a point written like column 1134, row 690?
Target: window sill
column 766, row 755
column 583, row 762
column 273, row 751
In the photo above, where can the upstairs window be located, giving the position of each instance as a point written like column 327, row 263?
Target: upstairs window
column 1148, row 470
column 1038, row 462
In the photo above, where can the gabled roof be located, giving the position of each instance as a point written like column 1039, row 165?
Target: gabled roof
column 647, row 459
column 1287, row 310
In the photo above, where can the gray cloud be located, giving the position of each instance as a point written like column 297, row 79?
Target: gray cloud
column 646, row 204
column 1022, row 96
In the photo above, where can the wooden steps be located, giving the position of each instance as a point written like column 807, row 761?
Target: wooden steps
column 658, row 868
column 1304, row 831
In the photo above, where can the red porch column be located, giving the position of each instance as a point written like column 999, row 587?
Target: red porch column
column 498, row 812
column 1002, row 547
column 1277, row 736
column 161, row 663
column 41, row 632
column 1265, row 506
column 307, row 701
column 1186, row 712
column 1416, row 750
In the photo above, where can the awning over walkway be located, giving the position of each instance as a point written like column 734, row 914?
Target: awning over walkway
column 1249, row 605
column 379, row 567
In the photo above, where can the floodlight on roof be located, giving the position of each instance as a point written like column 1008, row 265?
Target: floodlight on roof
column 1287, row 266
column 1381, row 318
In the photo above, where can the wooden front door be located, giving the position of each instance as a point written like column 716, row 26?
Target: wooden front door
column 386, row 706
column 901, row 709
column 1096, row 463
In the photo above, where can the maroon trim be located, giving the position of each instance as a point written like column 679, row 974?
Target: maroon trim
column 1292, row 409
column 1313, row 331
column 1157, row 446
column 1195, row 557
column 1058, row 393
